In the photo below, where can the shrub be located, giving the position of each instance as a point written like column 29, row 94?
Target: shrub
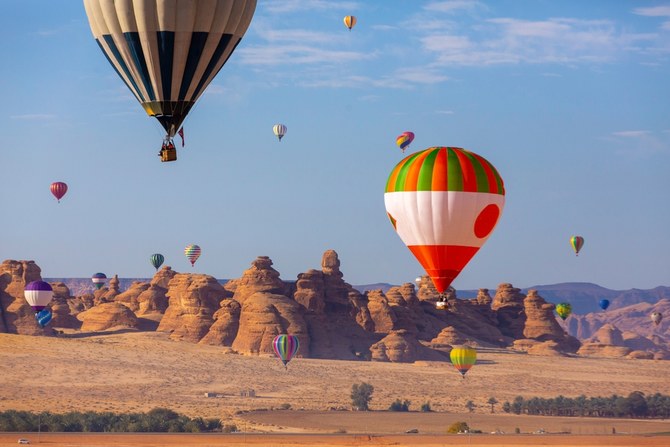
column 425, row 408
column 285, row 406
column 361, row 395
column 400, row 406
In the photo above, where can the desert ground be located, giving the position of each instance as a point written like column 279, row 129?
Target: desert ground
column 130, row 371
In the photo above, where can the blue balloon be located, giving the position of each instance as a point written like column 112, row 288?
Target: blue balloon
column 604, row 304
column 43, row 317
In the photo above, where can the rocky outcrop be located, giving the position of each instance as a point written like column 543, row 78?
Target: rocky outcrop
column 192, row 301
column 16, row 315
column 508, row 303
column 226, row 324
column 401, row 346
column 129, row 298
column 107, row 316
column 310, row 291
column 152, row 300
column 608, row 335
column 260, row 277
column 162, row 277
column 382, row 315
column 603, row 350
column 62, row 315
column 265, row 315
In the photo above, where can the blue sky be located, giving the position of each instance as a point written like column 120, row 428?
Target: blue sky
column 569, row 100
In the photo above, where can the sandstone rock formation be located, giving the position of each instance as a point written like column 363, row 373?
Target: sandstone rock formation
column 61, row 310
column 401, row 346
column 508, row 303
column 129, row 297
column 16, row 315
column 226, row 324
column 107, row 316
column 260, row 277
column 193, row 300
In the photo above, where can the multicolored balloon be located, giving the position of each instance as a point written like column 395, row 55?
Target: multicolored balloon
column 463, row 358
column 38, row 294
column 279, row 130
column 286, row 347
column 157, row 260
column 168, row 52
column 43, row 317
column 404, row 140
column 350, row 21
column 656, row 318
column 604, row 304
column 577, row 242
column 563, row 310
column 99, row 280
column 444, row 203
column 58, row 189
column 192, row 252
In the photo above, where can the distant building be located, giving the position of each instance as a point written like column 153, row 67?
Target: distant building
column 248, row 393
column 214, row 395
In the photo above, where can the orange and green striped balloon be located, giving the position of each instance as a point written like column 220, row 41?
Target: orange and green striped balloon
column 463, row 357
column 444, row 203
column 192, row 252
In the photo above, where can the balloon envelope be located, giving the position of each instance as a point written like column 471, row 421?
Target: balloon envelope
column 563, row 310
column 285, row 347
column 656, row 318
column 604, row 304
column 279, row 130
column 192, row 252
column 349, row 21
column 99, row 280
column 58, row 189
column 404, row 140
column 38, row 294
column 167, row 52
column 43, row 317
column 463, row 357
column 157, row 260
column 577, row 242
column 444, row 203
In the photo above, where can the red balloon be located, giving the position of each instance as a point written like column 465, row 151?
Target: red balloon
column 58, row 189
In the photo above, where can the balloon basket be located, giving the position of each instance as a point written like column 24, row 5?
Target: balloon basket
column 168, row 154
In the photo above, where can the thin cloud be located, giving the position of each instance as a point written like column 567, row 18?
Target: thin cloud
column 296, row 54
column 453, row 6
column 653, row 11
column 631, row 133
column 444, row 112
column 33, row 117
column 284, row 6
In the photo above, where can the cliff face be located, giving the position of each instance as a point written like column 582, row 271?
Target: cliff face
column 17, row 317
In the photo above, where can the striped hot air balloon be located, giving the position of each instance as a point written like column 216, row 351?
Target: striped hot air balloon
column 279, row 130
column 168, row 52
column 58, row 189
column 285, row 347
column 463, row 358
column 563, row 310
column 404, row 140
column 576, row 242
column 99, row 280
column 350, row 21
column 38, row 294
column 444, row 203
column 192, row 252
column 157, row 260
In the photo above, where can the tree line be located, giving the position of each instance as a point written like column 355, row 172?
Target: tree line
column 635, row 405
column 156, row 420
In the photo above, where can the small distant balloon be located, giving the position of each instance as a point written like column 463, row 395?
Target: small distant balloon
column 192, row 252
column 279, row 130
column 43, row 317
column 350, row 21
column 463, row 358
column 604, row 304
column 286, row 347
column 58, row 189
column 157, row 260
column 563, row 310
column 99, row 280
column 404, row 140
column 38, row 294
column 577, row 242
column 656, row 318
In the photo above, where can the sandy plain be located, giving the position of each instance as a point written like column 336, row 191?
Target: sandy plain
column 129, row 371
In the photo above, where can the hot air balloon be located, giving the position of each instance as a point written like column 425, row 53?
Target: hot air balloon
column 99, row 280
column 43, row 317
column 604, row 304
column 349, row 21
column 563, row 310
column 279, row 130
column 404, row 139
column 656, row 318
column 463, row 357
column 285, row 346
column 157, row 260
column 192, row 252
column 38, row 294
column 577, row 242
column 167, row 53
column 444, row 203
column 58, row 189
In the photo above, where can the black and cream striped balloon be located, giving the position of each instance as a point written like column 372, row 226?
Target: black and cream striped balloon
column 168, row 51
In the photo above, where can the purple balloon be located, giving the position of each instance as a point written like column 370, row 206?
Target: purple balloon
column 38, row 294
